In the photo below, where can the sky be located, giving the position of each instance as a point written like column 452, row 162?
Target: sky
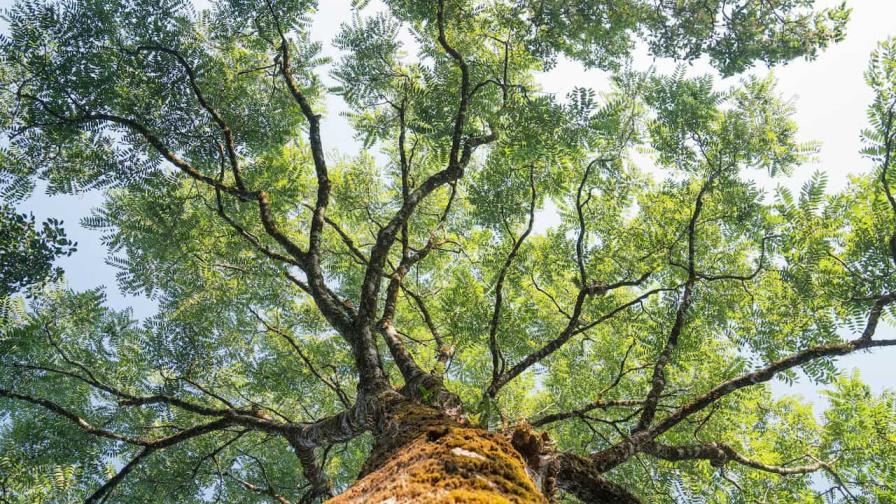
column 829, row 94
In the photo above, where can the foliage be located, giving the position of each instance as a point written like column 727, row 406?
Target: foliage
column 27, row 252
column 297, row 285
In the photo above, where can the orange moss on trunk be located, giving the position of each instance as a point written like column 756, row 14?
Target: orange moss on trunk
column 423, row 456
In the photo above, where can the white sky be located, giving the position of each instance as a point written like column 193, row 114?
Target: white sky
column 831, row 98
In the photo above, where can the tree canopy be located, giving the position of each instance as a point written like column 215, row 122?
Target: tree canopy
column 300, row 286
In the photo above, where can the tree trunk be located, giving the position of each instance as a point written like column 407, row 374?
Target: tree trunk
column 423, row 455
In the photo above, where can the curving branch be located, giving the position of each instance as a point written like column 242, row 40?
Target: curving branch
column 760, row 266
column 580, row 213
column 575, row 326
column 249, row 237
column 442, row 349
column 152, row 139
column 308, row 261
column 461, row 116
column 203, row 102
column 763, row 375
column 91, row 429
column 284, row 62
column 498, row 363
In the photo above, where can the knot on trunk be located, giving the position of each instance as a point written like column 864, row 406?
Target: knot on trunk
column 540, row 455
column 429, row 389
column 720, row 456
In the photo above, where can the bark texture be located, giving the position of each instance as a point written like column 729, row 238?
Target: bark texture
column 424, row 456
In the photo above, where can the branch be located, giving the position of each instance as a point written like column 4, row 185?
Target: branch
column 305, row 359
column 203, row 102
column 249, row 237
column 236, row 416
column 619, row 453
column 459, row 156
column 270, row 492
column 580, row 207
column 110, row 485
column 156, row 143
column 397, row 277
column 763, row 375
column 443, row 351
column 658, row 381
column 317, row 150
column 346, row 239
column 308, row 261
column 409, row 368
column 338, row 428
column 572, row 328
column 744, row 278
column 366, row 353
column 461, row 116
column 363, row 349
column 498, row 363
column 89, row 428
column 578, row 476
column 321, row 487
column 598, row 404
column 718, row 454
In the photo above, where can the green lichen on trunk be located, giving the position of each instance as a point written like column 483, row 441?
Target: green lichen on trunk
column 423, row 455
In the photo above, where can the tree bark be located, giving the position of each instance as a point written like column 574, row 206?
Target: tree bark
column 422, row 455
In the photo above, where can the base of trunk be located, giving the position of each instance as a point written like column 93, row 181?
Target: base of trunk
column 424, row 456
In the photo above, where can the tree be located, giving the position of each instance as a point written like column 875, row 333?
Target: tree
column 387, row 326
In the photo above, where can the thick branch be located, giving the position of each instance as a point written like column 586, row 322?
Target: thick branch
column 321, row 487
column 578, row 476
column 719, row 454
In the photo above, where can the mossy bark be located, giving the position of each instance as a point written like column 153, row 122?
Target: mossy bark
column 424, row 456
